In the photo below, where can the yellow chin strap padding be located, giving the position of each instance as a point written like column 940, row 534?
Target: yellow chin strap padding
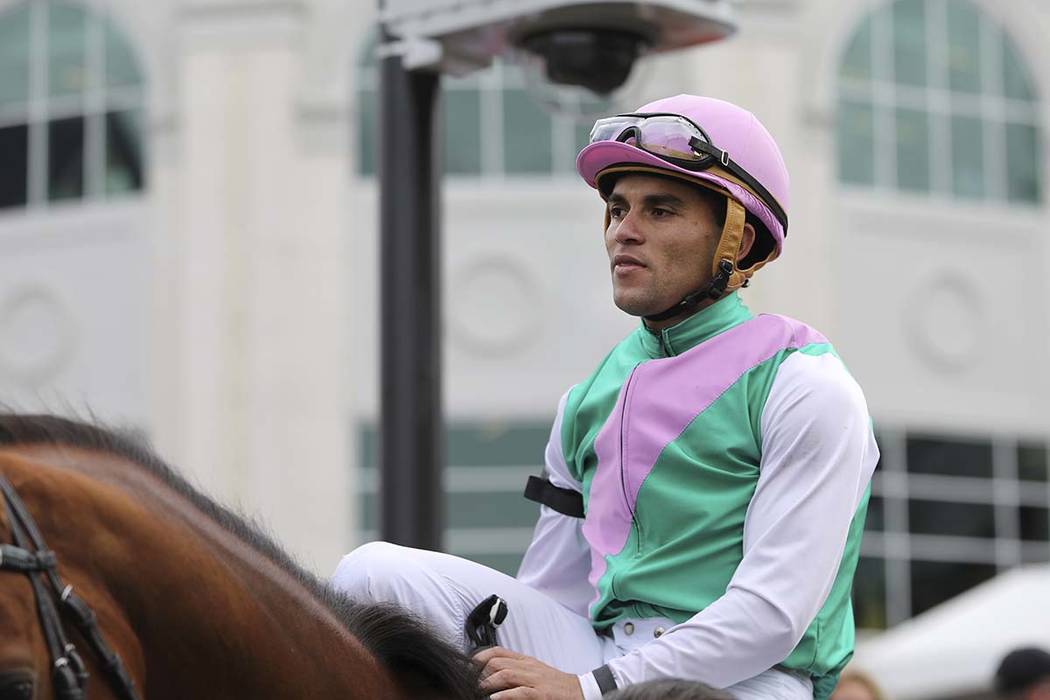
column 729, row 245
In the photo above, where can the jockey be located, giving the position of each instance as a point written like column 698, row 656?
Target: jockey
column 705, row 487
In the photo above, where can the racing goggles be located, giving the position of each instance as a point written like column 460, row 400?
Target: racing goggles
column 679, row 141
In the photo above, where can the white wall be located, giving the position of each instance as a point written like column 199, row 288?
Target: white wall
column 245, row 285
column 253, row 402
column 74, row 305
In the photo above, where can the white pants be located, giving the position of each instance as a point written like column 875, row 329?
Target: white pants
column 443, row 590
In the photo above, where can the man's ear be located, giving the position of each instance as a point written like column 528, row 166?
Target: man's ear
column 747, row 240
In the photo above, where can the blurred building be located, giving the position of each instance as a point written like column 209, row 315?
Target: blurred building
column 188, row 216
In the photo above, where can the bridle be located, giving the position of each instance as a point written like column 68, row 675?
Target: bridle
column 29, row 555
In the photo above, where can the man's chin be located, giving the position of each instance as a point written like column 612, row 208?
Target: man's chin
column 636, row 307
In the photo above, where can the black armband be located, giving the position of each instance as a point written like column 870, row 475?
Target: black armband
column 604, row 678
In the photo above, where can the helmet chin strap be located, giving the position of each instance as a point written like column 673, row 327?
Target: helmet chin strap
column 725, row 277
column 713, row 290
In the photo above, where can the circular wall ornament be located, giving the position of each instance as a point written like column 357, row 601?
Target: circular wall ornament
column 945, row 319
column 495, row 305
column 37, row 335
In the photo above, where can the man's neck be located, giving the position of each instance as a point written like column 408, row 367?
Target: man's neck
column 657, row 326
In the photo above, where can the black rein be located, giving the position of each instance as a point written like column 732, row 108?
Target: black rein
column 29, row 555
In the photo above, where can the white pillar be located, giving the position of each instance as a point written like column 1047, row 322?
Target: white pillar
column 257, row 308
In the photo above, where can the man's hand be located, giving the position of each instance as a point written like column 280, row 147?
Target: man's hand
column 520, row 677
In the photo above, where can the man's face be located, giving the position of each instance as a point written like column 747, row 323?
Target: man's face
column 661, row 240
column 1038, row 691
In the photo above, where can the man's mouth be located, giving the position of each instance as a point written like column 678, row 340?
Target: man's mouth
column 626, row 263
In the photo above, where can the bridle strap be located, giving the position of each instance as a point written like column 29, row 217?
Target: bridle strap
column 85, row 620
column 30, row 556
column 68, row 675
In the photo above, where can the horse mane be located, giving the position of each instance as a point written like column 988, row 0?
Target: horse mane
column 399, row 640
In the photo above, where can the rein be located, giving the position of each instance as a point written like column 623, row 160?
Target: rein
column 29, row 555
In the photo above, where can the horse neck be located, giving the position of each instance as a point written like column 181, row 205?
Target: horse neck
column 267, row 635
column 197, row 597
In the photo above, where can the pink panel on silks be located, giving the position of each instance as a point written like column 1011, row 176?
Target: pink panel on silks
column 658, row 400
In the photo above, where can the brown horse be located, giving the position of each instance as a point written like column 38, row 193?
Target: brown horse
column 197, row 602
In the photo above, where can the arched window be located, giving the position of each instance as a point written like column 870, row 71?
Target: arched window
column 492, row 126
column 71, row 106
column 934, row 98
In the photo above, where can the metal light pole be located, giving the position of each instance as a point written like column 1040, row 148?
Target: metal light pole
column 422, row 38
column 411, row 435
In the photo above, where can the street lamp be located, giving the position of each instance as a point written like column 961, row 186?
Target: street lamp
column 592, row 44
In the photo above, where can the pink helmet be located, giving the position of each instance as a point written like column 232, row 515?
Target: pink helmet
column 744, row 160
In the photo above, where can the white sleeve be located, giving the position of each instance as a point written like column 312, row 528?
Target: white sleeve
column 818, row 454
column 558, row 559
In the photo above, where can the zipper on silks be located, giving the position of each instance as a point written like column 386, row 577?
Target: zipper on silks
column 665, row 344
column 623, row 465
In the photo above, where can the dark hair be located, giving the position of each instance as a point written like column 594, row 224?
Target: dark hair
column 1022, row 668
column 671, row 689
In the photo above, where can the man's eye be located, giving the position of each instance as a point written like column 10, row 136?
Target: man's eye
column 616, row 212
column 661, row 213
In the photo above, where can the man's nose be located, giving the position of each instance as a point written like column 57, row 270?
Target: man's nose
column 626, row 230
